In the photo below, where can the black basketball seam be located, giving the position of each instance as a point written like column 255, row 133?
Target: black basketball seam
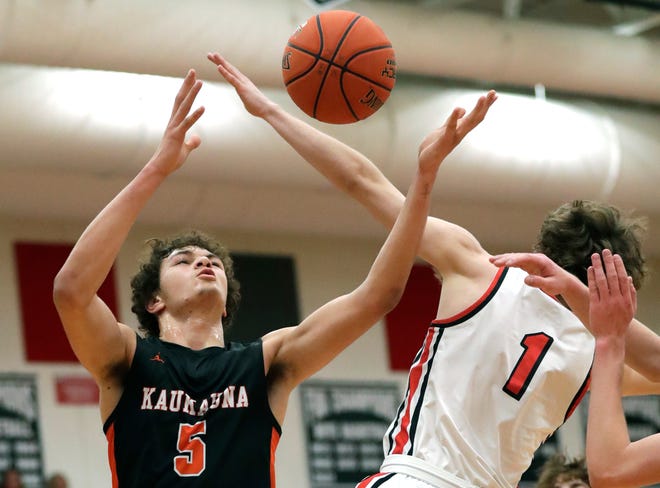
column 344, row 69
column 371, row 49
column 312, row 66
column 346, row 100
column 331, row 62
column 316, row 56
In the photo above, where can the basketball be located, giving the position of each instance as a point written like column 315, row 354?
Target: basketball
column 339, row 67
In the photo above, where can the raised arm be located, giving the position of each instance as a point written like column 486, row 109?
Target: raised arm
column 612, row 459
column 443, row 243
column 102, row 345
column 299, row 352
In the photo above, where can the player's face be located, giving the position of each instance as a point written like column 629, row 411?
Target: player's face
column 192, row 272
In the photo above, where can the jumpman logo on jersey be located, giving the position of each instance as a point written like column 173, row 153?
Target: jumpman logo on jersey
column 158, row 358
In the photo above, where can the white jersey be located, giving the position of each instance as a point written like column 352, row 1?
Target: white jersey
column 488, row 386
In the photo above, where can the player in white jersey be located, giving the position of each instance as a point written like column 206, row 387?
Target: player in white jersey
column 455, row 428
column 489, row 385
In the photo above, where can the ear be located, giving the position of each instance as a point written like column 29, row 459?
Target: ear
column 224, row 312
column 155, row 305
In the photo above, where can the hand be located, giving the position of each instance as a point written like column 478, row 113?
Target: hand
column 174, row 149
column 612, row 296
column 440, row 142
column 544, row 273
column 255, row 102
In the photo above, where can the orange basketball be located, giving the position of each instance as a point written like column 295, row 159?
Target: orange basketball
column 339, row 67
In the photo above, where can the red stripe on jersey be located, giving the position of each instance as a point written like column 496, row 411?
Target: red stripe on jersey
column 578, row 398
column 468, row 310
column 110, row 435
column 415, row 375
column 274, row 441
column 365, row 483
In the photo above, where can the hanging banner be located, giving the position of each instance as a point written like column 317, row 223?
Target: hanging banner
column 20, row 443
column 344, row 428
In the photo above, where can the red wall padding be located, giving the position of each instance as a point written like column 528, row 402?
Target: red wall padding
column 36, row 267
column 407, row 324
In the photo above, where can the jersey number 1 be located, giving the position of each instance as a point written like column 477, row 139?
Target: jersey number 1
column 535, row 346
column 192, row 460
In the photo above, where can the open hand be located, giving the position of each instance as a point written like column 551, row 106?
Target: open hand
column 543, row 272
column 612, row 296
column 255, row 102
column 440, row 142
column 174, row 148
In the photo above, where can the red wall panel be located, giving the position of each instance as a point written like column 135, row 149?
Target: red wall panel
column 36, row 267
column 407, row 324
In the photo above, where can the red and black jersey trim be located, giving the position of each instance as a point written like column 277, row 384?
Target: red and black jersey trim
column 578, row 396
column 473, row 309
column 422, row 393
column 401, row 433
column 375, row 480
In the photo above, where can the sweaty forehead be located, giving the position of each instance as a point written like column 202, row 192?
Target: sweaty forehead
column 189, row 250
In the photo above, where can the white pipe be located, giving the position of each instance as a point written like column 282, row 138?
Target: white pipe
column 527, row 149
column 166, row 37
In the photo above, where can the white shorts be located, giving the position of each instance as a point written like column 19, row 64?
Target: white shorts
column 393, row 480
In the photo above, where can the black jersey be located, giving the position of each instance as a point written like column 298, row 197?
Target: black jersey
column 193, row 418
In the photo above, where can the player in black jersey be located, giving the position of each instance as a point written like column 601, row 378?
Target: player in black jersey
column 181, row 407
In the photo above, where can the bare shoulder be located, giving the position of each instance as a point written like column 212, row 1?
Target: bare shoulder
column 453, row 250
column 129, row 336
column 115, row 371
column 272, row 345
column 461, row 290
column 112, row 378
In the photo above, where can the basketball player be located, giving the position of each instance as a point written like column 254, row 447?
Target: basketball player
column 612, row 459
column 182, row 407
column 503, row 365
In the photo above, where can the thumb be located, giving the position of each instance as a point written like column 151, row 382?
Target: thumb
column 193, row 142
column 534, row 281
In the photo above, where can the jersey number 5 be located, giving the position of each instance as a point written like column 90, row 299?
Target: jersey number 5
column 535, row 346
column 192, row 460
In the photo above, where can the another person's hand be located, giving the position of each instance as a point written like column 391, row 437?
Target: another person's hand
column 612, row 296
column 543, row 272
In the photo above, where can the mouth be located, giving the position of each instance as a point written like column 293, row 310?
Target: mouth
column 206, row 272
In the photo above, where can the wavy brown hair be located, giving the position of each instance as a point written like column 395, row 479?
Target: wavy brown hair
column 146, row 282
column 560, row 469
column 574, row 231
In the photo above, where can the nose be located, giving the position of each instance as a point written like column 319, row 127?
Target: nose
column 202, row 261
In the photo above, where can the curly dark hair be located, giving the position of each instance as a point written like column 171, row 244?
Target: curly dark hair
column 560, row 469
column 146, row 282
column 574, row 231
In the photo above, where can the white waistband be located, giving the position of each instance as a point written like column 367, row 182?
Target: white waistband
column 420, row 469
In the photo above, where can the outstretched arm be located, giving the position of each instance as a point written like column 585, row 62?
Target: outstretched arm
column 356, row 175
column 102, row 345
column 612, row 459
column 642, row 344
column 299, row 352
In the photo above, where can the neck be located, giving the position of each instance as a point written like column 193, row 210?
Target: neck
column 192, row 333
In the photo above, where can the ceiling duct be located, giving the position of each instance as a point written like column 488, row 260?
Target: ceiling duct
column 71, row 137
